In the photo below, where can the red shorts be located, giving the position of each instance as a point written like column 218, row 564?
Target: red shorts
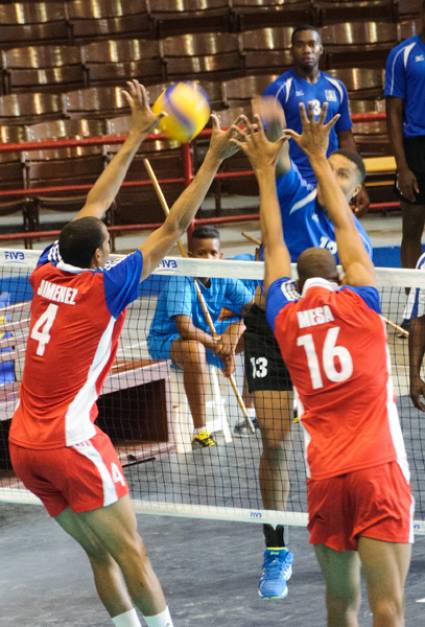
column 375, row 503
column 84, row 477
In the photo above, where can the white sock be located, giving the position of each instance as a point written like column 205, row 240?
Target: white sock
column 159, row 620
column 199, row 430
column 128, row 619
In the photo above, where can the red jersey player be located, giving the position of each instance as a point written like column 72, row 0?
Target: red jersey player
column 77, row 314
column 333, row 342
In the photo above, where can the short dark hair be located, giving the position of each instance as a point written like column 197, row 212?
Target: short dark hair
column 356, row 159
column 206, row 232
column 79, row 240
column 302, row 28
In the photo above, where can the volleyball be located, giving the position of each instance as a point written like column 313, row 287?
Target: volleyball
column 187, row 108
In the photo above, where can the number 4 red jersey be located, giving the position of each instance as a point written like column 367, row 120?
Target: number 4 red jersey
column 334, row 344
column 76, row 317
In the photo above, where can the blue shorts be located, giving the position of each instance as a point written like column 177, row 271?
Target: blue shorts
column 159, row 346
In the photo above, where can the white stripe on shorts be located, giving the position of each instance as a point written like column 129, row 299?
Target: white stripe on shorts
column 90, row 452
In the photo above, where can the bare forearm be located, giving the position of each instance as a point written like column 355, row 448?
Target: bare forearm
column 189, row 331
column 416, row 346
column 184, row 209
column 104, row 191
column 333, row 198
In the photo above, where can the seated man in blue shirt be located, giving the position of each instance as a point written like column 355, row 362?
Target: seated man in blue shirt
column 180, row 332
column 306, row 224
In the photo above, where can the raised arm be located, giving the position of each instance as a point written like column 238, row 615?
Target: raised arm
column 184, row 209
column 314, row 141
column 273, row 119
column 263, row 155
column 143, row 121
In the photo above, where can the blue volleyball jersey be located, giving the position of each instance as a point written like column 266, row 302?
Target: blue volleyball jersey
column 291, row 89
column 405, row 79
column 179, row 298
column 305, row 222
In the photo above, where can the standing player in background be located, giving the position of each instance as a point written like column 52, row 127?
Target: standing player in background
column 306, row 221
column 331, row 338
column 77, row 314
column 405, row 101
column 180, row 332
column 306, row 83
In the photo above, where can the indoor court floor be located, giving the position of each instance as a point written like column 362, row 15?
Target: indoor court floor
column 209, row 571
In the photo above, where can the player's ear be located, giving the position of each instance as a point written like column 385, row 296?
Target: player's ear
column 355, row 191
column 97, row 257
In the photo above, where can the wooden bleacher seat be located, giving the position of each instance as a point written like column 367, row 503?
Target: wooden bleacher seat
column 202, row 55
column 23, row 23
column 267, row 50
column 104, row 19
column 248, row 14
column 29, row 108
column 334, row 11
column 109, row 62
column 40, row 68
column 367, row 42
column 95, row 102
column 240, row 91
column 173, row 17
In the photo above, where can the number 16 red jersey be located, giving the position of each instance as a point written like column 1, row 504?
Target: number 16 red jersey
column 333, row 342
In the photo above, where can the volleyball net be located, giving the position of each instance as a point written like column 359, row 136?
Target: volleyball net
column 145, row 410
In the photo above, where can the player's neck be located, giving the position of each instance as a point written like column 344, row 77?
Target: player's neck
column 311, row 75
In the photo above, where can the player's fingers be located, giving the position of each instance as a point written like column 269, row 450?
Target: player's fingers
column 332, row 122
column 259, row 127
column 323, row 113
column 238, row 132
column 289, row 132
column 238, row 143
column 215, row 121
column 130, row 100
column 417, row 403
column 143, row 95
column 303, row 115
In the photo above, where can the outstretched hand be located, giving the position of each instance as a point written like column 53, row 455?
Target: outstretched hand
column 314, row 139
column 261, row 152
column 143, row 119
column 221, row 146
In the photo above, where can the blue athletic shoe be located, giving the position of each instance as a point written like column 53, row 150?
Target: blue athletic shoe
column 277, row 570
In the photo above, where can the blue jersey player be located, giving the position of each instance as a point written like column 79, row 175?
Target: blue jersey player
column 306, row 224
column 306, row 83
column 405, row 99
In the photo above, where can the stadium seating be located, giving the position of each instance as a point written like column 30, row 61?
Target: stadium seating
column 98, row 102
column 361, row 83
column 172, row 17
column 249, row 14
column 239, row 91
column 28, row 108
column 24, row 23
column 266, row 49
column 43, row 68
column 368, row 43
column 113, row 61
column 103, row 19
column 202, row 55
column 331, row 11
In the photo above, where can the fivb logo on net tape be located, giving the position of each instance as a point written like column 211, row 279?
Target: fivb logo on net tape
column 14, row 256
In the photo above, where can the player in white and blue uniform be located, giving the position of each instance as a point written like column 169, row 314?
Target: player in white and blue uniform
column 306, row 83
column 180, row 330
column 405, row 101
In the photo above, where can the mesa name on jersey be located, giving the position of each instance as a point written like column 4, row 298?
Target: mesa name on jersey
column 333, row 342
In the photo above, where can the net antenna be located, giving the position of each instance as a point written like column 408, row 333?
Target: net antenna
column 204, row 307
column 390, row 323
